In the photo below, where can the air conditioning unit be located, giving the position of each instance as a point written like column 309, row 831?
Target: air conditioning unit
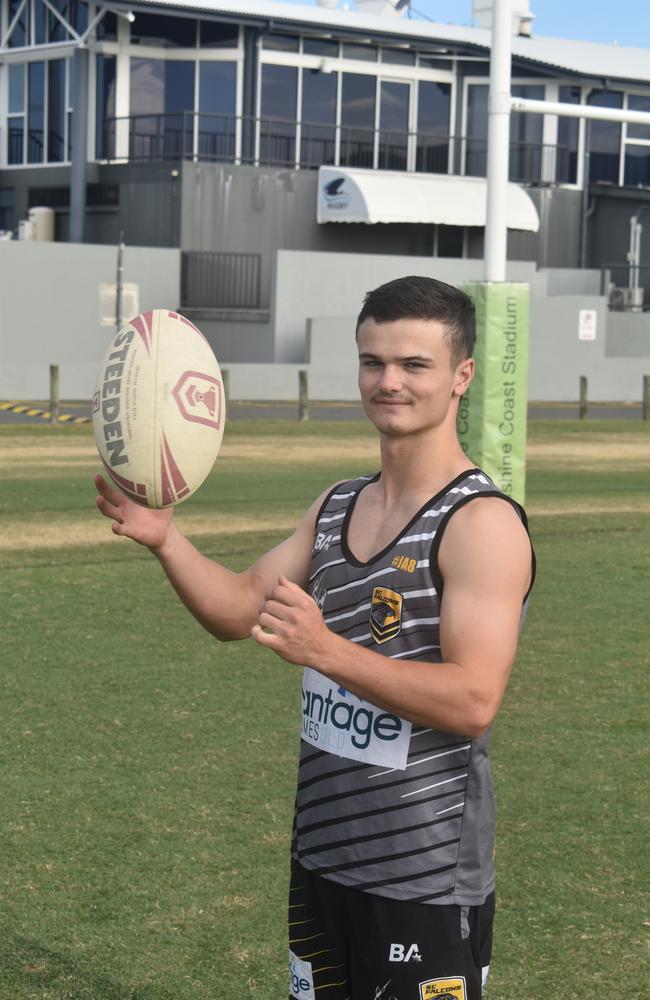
column 616, row 298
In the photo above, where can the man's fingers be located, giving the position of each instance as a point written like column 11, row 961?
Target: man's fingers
column 277, row 609
column 108, row 492
column 108, row 509
column 262, row 637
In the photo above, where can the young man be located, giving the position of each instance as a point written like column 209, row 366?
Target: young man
column 401, row 594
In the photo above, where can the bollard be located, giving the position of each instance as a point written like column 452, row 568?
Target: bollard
column 582, row 406
column 54, row 394
column 646, row 398
column 225, row 382
column 303, row 395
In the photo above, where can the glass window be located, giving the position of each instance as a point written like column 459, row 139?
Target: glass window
column 105, row 107
column 161, row 90
column 57, row 31
column 217, row 35
column 318, row 118
column 16, row 136
column 20, row 33
column 278, row 112
column 281, row 43
column 430, row 62
column 320, row 47
column 107, row 27
column 526, row 133
column 450, row 241
column 476, row 143
column 79, row 15
column 401, row 57
column 605, row 139
column 434, row 101
column 16, row 88
column 161, row 30
column 638, row 102
column 35, row 112
column 357, row 120
column 217, row 110
column 568, row 130
column 366, row 52
column 393, row 125
column 56, row 110
column 40, row 22
column 179, row 86
column 637, row 166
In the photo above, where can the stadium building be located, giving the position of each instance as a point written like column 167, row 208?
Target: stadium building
column 263, row 141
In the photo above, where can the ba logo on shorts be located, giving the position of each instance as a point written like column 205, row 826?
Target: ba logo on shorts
column 385, row 614
column 443, row 989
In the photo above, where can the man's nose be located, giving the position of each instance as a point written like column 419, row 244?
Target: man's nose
column 391, row 378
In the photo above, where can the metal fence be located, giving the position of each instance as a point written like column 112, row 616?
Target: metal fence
column 220, row 280
column 285, row 143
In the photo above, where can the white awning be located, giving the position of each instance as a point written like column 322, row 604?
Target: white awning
column 351, row 195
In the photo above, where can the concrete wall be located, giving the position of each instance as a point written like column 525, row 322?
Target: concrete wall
column 49, row 310
column 49, row 314
column 321, row 285
column 613, row 363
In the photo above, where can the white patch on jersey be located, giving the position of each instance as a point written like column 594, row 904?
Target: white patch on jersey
column 301, row 979
column 343, row 724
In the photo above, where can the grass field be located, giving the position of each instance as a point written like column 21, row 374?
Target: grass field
column 147, row 772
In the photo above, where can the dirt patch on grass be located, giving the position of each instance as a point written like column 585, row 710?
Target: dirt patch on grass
column 593, row 450
column 54, row 534
column 541, row 508
column 34, row 458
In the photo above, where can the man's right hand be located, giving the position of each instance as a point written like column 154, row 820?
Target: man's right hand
column 142, row 524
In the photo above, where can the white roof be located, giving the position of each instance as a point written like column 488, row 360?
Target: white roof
column 588, row 59
column 353, row 195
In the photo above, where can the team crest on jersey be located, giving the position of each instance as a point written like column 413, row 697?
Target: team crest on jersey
column 443, row 989
column 385, row 614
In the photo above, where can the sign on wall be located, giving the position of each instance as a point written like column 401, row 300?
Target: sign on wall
column 587, row 324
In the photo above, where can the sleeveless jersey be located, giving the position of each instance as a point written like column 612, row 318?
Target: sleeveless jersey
column 382, row 805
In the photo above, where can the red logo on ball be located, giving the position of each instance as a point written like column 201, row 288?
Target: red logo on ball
column 199, row 398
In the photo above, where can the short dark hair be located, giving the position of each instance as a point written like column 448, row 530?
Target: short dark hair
column 417, row 297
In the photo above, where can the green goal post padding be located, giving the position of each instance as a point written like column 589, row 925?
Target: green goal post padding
column 492, row 416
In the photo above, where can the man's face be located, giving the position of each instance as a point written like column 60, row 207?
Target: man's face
column 406, row 378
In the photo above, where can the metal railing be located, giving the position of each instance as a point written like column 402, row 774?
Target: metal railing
column 307, row 145
column 220, row 280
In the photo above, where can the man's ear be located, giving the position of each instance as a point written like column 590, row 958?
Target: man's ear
column 463, row 377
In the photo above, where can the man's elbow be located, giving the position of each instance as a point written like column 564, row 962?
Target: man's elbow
column 480, row 716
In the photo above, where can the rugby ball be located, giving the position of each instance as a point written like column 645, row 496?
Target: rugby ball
column 158, row 409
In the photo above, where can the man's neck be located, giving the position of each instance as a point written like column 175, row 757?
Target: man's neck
column 416, row 465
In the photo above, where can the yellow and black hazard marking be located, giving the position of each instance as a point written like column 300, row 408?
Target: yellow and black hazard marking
column 33, row 411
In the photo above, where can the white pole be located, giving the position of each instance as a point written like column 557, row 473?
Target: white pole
column 591, row 111
column 496, row 228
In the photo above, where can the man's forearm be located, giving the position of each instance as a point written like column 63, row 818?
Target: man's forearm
column 217, row 597
column 440, row 695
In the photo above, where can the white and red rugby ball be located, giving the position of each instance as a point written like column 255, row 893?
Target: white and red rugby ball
column 158, row 409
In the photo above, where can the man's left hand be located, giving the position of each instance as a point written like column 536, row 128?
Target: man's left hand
column 291, row 624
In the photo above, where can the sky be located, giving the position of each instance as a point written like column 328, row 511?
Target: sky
column 626, row 22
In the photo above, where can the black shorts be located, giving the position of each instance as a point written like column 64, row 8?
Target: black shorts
column 350, row 945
